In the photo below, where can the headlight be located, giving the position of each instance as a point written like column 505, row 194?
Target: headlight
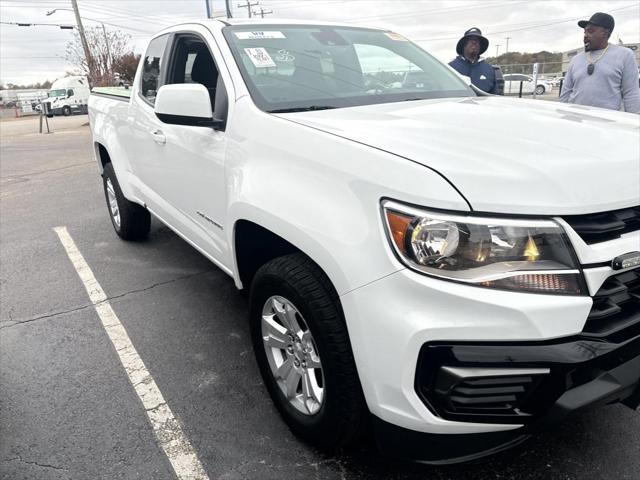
column 505, row 253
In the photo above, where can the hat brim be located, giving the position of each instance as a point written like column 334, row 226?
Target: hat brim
column 484, row 44
column 584, row 23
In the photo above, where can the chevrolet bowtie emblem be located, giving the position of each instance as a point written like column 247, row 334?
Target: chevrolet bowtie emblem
column 628, row 260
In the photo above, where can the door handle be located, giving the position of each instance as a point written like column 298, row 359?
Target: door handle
column 159, row 137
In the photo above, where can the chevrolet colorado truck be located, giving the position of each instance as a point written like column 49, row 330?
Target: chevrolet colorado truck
column 447, row 269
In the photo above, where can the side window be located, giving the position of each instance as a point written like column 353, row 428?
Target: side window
column 192, row 62
column 152, row 67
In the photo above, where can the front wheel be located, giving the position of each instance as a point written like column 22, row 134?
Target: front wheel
column 66, row 110
column 302, row 347
column 539, row 90
column 130, row 220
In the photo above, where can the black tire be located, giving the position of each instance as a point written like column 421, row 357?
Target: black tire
column 343, row 417
column 66, row 110
column 540, row 90
column 134, row 220
column 49, row 115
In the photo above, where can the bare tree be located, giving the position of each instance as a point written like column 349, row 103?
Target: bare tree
column 107, row 48
column 126, row 66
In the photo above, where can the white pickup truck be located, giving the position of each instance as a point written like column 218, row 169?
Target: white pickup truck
column 455, row 269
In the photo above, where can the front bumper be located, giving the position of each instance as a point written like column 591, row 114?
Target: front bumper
column 406, row 328
column 573, row 374
column 526, row 383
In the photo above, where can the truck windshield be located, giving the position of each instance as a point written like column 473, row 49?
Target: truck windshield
column 306, row 67
column 58, row 93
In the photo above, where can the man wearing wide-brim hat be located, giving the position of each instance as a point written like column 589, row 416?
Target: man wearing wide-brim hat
column 604, row 75
column 468, row 62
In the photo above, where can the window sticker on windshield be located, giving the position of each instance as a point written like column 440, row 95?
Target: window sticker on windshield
column 285, row 56
column 260, row 57
column 396, row 36
column 258, row 35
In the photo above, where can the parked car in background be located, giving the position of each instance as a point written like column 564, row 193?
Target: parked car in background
column 512, row 84
column 556, row 81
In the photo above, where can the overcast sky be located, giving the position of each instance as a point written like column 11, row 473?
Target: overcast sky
column 34, row 54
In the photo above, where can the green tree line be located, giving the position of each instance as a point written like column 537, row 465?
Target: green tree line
column 517, row 62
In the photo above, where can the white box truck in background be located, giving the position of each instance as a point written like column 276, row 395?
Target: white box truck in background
column 68, row 95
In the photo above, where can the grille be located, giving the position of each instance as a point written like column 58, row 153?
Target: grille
column 600, row 227
column 616, row 307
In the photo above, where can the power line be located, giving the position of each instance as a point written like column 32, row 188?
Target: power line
column 421, row 13
column 127, row 14
column 521, row 29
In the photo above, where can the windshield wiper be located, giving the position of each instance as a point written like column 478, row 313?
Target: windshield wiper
column 302, row 109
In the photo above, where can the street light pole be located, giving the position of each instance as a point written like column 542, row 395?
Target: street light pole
column 507, row 49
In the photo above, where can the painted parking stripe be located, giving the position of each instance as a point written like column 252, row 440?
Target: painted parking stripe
column 173, row 441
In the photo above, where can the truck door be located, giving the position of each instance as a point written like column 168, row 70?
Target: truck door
column 186, row 170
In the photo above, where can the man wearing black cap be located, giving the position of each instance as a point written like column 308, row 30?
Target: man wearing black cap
column 469, row 63
column 604, row 75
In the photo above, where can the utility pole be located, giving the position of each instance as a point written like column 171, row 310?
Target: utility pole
column 228, row 5
column 248, row 6
column 106, row 42
column 497, row 49
column 83, row 39
column 507, row 39
column 206, row 2
column 263, row 12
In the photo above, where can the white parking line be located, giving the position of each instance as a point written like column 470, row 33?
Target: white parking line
column 173, row 441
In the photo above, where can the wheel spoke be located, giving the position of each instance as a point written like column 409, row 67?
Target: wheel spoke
column 292, row 381
column 313, row 361
column 273, row 334
column 287, row 316
column 311, row 393
column 292, row 321
column 283, row 370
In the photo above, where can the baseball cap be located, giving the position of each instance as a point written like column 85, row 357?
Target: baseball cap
column 600, row 19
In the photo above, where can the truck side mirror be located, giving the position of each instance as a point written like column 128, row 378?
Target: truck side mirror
column 185, row 104
column 69, row 93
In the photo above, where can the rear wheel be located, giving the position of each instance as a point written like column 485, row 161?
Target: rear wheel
column 130, row 220
column 302, row 347
column 539, row 90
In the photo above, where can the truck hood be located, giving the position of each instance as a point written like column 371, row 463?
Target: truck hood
column 506, row 155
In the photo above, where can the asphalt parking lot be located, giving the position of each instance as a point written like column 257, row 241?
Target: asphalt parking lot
column 67, row 407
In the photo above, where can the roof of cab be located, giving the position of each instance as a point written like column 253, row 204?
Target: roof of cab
column 221, row 22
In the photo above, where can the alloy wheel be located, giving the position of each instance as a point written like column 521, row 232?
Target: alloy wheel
column 292, row 355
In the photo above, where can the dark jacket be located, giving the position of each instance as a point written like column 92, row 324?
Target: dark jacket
column 481, row 73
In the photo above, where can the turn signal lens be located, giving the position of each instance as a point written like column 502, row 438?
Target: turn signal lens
column 398, row 224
